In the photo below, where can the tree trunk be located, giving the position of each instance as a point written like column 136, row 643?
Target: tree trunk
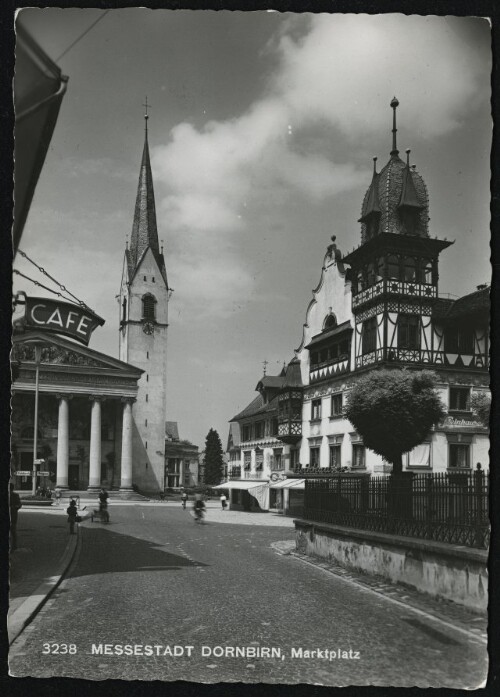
column 397, row 464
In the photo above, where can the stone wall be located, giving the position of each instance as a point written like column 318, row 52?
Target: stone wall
column 443, row 570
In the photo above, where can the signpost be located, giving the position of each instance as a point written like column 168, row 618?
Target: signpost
column 23, row 473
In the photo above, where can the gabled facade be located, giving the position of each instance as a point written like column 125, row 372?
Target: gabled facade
column 143, row 307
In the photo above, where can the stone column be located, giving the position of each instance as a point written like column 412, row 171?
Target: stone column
column 95, row 445
column 126, row 465
column 63, row 441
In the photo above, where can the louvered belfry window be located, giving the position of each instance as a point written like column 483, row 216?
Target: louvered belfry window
column 148, row 307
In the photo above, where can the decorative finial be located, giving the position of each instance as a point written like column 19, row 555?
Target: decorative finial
column 375, row 165
column 146, row 115
column 407, row 151
column 265, row 364
column 162, row 246
column 333, row 238
column 394, row 105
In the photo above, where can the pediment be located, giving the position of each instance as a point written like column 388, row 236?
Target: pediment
column 56, row 351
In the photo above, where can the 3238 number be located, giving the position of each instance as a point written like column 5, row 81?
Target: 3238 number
column 60, row 649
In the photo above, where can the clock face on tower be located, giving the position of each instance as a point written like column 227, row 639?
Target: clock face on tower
column 148, row 327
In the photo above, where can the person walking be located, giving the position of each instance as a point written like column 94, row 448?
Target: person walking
column 103, row 505
column 184, row 498
column 15, row 505
column 57, row 494
column 72, row 512
column 223, row 501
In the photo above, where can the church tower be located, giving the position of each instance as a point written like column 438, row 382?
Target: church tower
column 143, row 301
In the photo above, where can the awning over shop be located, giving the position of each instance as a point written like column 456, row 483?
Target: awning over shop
column 238, row 484
column 289, row 484
column 39, row 87
column 259, row 490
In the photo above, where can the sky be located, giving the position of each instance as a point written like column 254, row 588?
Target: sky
column 262, row 130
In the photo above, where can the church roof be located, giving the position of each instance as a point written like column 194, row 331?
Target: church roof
column 144, row 229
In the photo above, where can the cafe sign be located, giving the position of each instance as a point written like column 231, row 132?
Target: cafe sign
column 61, row 318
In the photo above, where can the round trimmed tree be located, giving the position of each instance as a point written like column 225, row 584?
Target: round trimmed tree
column 394, row 410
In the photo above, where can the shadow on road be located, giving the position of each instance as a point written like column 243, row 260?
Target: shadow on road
column 104, row 551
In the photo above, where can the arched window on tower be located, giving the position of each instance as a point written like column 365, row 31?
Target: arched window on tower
column 124, row 310
column 148, row 307
column 426, row 271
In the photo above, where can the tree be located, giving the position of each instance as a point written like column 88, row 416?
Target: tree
column 394, row 410
column 213, row 460
column 481, row 405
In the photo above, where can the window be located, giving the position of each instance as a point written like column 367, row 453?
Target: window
column 360, row 281
column 358, row 456
column 314, row 457
column 124, row 310
column 153, row 279
column 409, row 332
column 459, row 398
column 259, row 429
column 148, row 307
column 247, row 432
column 458, row 455
column 336, row 404
column 425, row 271
column 370, row 335
column 372, row 273
column 247, row 459
column 146, row 397
column 459, row 340
column 278, row 459
column 410, row 269
column 393, row 267
column 330, row 322
column 419, row 456
column 316, row 409
column 334, row 455
column 145, row 278
column 274, row 427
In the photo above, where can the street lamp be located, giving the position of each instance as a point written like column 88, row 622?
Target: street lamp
column 38, row 358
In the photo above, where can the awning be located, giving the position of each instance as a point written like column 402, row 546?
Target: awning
column 238, row 484
column 259, row 490
column 289, row 484
column 39, row 87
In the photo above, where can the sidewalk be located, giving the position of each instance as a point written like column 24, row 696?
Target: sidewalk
column 448, row 614
column 44, row 551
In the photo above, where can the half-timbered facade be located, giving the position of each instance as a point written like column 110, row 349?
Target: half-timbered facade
column 379, row 306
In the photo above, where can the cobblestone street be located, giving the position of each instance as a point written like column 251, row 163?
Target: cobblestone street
column 154, row 578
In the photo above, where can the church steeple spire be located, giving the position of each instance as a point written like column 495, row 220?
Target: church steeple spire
column 144, row 229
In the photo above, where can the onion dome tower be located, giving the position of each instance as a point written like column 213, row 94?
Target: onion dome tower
column 394, row 272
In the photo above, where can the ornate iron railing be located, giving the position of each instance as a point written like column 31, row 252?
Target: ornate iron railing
column 447, row 507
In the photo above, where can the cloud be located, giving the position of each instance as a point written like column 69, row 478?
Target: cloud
column 332, row 71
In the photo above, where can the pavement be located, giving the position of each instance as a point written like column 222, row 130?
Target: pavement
column 45, row 550
column 155, row 577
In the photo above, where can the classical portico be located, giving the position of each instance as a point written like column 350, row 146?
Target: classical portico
column 85, row 414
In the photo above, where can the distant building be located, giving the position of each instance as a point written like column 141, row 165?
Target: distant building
column 181, row 459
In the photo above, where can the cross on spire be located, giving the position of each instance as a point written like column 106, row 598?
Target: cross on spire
column 146, row 115
column 265, row 364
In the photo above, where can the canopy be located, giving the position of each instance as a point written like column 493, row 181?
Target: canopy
column 289, row 484
column 235, row 484
column 39, row 87
column 259, row 490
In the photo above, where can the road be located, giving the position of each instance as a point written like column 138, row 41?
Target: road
column 154, row 578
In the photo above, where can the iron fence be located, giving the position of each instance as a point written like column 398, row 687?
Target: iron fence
column 447, row 507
